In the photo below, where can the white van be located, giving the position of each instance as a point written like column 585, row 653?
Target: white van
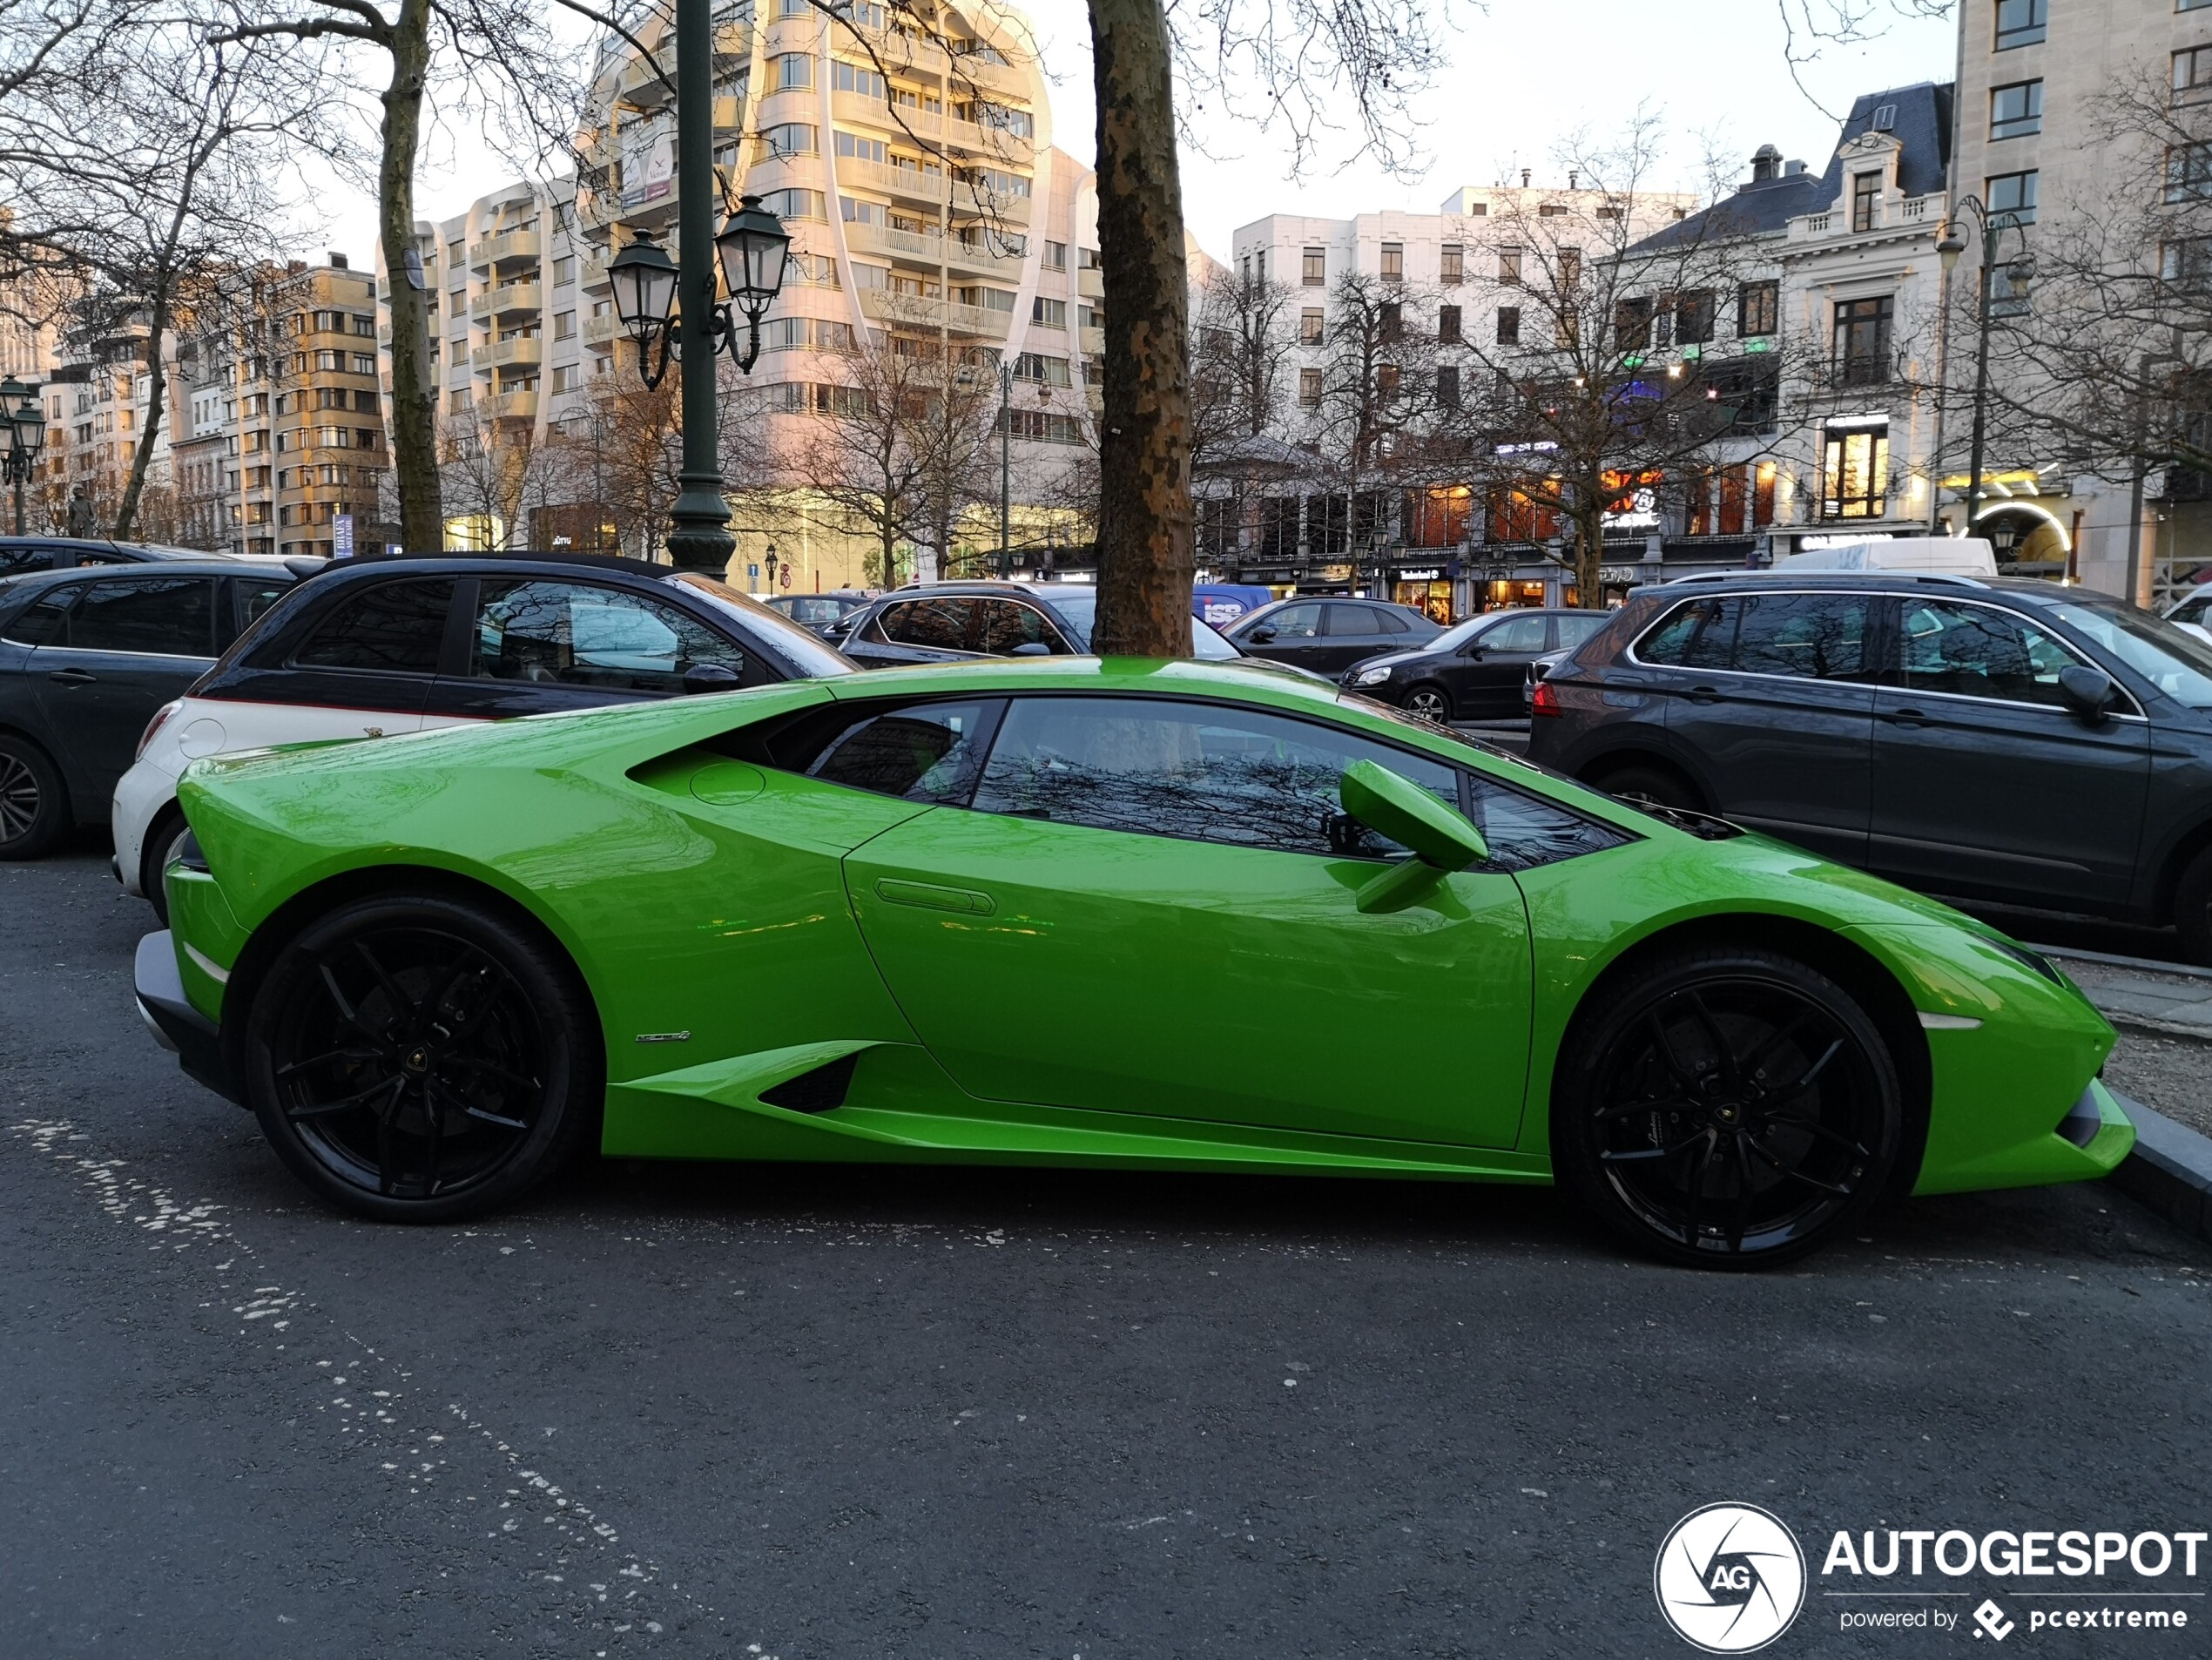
column 1953, row 556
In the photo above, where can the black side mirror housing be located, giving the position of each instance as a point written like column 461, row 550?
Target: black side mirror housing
column 710, row 676
column 1260, row 635
column 2089, row 693
column 1031, row 648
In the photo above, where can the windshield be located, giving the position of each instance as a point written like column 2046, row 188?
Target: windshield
column 2191, row 609
column 1078, row 608
column 1452, row 638
column 803, row 649
column 2178, row 664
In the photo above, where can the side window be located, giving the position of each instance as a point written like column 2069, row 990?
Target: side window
column 1190, row 770
column 1698, row 634
column 16, row 560
column 1375, row 620
column 580, row 634
column 250, row 599
column 1521, row 634
column 940, row 624
column 1977, row 652
column 1524, row 831
column 45, row 622
column 1573, row 631
column 1294, row 622
column 393, row 627
column 1003, row 625
column 167, row 617
column 1812, row 636
column 926, row 752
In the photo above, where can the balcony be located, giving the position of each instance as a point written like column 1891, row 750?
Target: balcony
column 593, row 274
column 931, row 252
column 510, row 405
column 729, row 114
column 1092, row 342
column 601, row 331
column 991, row 78
column 503, row 249
column 1090, row 282
column 909, row 183
column 963, row 137
column 917, row 316
column 522, row 351
column 639, row 87
column 513, row 300
column 977, row 201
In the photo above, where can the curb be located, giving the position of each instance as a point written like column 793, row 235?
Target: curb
column 2148, row 965
column 2169, row 1170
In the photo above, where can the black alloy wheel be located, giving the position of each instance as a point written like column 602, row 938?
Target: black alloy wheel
column 34, row 805
column 422, row 1058
column 1429, row 702
column 1727, row 1108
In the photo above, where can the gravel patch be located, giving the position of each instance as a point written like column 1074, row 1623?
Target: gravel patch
column 2171, row 1075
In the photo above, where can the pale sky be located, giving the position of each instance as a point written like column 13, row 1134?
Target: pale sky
column 1523, row 75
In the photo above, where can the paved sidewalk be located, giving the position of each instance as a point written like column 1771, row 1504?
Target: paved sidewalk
column 2176, row 1003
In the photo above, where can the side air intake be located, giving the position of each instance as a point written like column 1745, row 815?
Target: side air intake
column 819, row 1091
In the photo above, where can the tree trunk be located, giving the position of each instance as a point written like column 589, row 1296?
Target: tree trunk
column 415, row 391
column 1589, row 551
column 157, row 376
column 1144, row 551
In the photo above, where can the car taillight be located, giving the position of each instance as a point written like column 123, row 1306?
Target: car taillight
column 160, row 719
column 1545, row 700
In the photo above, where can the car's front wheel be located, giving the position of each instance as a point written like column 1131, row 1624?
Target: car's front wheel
column 422, row 1057
column 1429, row 702
column 34, row 804
column 1726, row 1108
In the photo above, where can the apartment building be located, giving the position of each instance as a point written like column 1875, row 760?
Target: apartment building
column 2037, row 81
column 99, row 398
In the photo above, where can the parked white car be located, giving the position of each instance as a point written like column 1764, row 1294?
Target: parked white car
column 2193, row 611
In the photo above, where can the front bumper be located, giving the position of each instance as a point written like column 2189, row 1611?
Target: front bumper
column 172, row 1019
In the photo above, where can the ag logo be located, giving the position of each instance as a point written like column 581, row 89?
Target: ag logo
column 1729, row 1578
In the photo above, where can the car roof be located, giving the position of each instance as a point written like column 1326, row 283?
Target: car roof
column 1191, row 677
column 2037, row 590
column 206, row 564
column 472, row 564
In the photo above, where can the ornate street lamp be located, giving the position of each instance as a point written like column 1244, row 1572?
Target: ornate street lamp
column 645, row 283
column 1952, row 243
column 753, row 249
column 26, row 437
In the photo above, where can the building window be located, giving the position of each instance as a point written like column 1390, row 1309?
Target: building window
column 795, row 203
column 792, row 138
column 1055, row 256
column 2189, row 173
column 1758, row 307
column 1865, row 201
column 1863, row 339
column 1309, row 388
column 793, row 73
column 1695, row 309
column 1854, row 473
column 2193, row 74
column 1393, row 262
column 2021, row 22
column 2013, row 193
column 1551, row 210
column 1316, row 268
column 564, row 271
column 2187, row 263
column 1447, row 388
column 1044, row 371
column 564, row 379
column 1509, row 267
column 563, row 324
column 1447, row 325
column 1509, row 325
column 1311, row 323
column 1452, row 262
column 1047, row 314
column 2016, row 111
column 1389, row 320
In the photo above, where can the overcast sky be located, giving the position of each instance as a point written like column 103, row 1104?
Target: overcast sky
column 1523, row 75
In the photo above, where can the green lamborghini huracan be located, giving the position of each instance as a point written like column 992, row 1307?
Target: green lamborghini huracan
column 1164, row 915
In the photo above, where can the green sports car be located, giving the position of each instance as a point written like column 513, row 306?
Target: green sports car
column 1163, row 915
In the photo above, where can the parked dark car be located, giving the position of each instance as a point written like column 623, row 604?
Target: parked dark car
column 21, row 553
column 947, row 621
column 819, row 611
column 87, row 654
column 2005, row 740
column 1328, row 636
column 1474, row 670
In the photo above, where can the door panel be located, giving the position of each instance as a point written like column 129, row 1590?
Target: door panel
column 1487, row 677
column 1984, row 784
column 1297, row 636
column 131, row 645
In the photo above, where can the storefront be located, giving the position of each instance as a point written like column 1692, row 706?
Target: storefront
column 1427, row 589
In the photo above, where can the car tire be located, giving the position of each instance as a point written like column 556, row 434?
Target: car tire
column 2193, row 909
column 165, row 838
column 422, row 1057
column 1726, row 1108
column 1429, row 702
column 1657, row 785
column 34, row 802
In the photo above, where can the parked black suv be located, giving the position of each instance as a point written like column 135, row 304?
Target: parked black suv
column 2008, row 740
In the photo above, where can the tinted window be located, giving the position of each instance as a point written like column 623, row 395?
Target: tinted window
column 812, row 610
column 580, row 634
column 173, row 616
column 397, row 627
column 1976, row 652
column 15, row 561
column 1816, row 636
column 1292, row 622
column 922, row 752
column 1364, row 619
column 41, row 624
column 1003, row 625
column 1573, row 631
column 1519, row 634
column 249, row 597
column 1524, row 832
column 1190, row 770
column 940, row 624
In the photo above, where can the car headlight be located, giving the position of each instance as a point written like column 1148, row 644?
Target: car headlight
column 1370, row 676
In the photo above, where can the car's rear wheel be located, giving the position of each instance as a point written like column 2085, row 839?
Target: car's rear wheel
column 164, row 840
column 2193, row 909
column 1429, row 702
column 1726, row 1109
column 1650, row 785
column 34, row 803
column 422, row 1058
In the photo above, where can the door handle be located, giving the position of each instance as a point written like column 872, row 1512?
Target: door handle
column 932, row 897
column 1906, row 717
column 1704, row 694
column 72, row 676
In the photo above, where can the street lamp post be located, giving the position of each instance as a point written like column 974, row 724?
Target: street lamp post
column 1950, row 246
column 1005, row 471
column 26, row 436
column 750, row 251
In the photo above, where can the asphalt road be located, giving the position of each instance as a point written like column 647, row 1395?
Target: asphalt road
column 804, row 1413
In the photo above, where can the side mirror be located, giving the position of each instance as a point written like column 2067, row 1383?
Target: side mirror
column 2089, row 693
column 1261, row 635
column 1031, row 648
column 710, row 676
column 1473, row 648
column 1441, row 837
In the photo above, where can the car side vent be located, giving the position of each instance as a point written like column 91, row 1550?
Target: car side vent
column 819, row 1091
